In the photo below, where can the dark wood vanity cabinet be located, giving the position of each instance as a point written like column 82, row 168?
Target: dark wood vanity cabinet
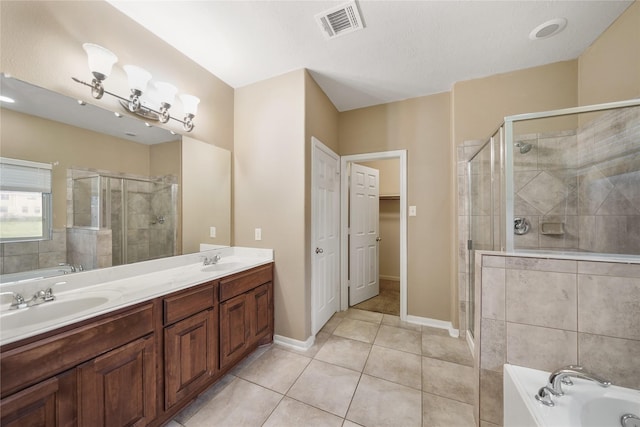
column 246, row 313
column 49, row 403
column 119, row 387
column 138, row 365
column 190, row 342
column 99, row 371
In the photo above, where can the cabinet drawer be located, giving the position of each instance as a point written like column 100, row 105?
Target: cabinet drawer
column 30, row 363
column 181, row 306
column 243, row 282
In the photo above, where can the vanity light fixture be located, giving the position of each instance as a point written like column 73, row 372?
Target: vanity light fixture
column 101, row 62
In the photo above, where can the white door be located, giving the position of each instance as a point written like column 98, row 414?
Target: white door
column 364, row 195
column 325, row 235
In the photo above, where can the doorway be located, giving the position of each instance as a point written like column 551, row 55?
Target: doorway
column 386, row 227
column 346, row 162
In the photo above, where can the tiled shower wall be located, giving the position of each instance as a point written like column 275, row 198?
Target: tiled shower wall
column 151, row 222
column 24, row 256
column 544, row 313
column 587, row 180
column 162, row 241
column 89, row 248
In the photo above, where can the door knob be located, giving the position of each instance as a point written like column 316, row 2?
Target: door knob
column 378, row 239
column 319, row 250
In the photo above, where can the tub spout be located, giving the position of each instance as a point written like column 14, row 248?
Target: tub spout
column 563, row 375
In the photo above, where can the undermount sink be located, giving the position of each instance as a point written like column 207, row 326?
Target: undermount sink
column 50, row 311
column 223, row 266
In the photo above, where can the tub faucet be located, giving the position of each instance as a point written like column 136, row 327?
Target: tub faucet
column 42, row 296
column 564, row 375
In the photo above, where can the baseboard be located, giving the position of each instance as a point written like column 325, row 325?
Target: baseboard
column 294, row 344
column 394, row 278
column 434, row 323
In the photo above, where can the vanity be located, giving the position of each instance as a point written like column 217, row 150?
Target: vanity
column 133, row 345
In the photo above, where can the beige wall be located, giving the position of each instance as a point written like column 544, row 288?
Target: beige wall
column 422, row 127
column 269, row 189
column 479, row 106
column 321, row 117
column 41, row 43
column 206, row 194
column 609, row 70
column 32, row 138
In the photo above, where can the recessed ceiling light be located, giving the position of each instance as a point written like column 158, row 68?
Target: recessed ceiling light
column 548, row 29
column 7, row 99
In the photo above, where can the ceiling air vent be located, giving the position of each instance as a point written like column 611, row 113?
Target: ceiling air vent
column 340, row 20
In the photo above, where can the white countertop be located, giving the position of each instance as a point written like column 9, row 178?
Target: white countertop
column 83, row 295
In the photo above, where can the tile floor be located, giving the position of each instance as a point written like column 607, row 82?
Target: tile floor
column 387, row 301
column 365, row 369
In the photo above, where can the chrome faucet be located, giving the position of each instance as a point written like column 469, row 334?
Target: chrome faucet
column 18, row 300
column 564, row 375
column 38, row 298
column 213, row 260
column 42, row 296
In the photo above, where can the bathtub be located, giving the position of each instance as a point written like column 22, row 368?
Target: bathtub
column 40, row 273
column 585, row 404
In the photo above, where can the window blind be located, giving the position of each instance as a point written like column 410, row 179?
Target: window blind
column 24, row 175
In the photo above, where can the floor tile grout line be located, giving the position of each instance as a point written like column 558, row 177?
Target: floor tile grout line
column 273, row 410
column 315, row 407
column 448, row 398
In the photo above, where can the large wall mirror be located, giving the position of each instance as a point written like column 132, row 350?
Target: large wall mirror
column 122, row 189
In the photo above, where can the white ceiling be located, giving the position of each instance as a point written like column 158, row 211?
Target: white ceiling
column 407, row 48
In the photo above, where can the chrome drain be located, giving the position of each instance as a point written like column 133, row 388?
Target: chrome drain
column 630, row 420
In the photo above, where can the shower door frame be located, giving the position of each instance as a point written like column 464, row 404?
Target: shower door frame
column 491, row 142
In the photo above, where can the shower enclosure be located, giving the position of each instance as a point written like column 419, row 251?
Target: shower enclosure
column 131, row 219
column 562, row 182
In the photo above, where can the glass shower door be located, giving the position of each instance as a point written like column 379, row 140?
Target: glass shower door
column 485, row 200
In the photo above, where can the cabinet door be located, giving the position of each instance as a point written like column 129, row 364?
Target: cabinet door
column 234, row 329
column 191, row 355
column 261, row 313
column 48, row 403
column 119, row 387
